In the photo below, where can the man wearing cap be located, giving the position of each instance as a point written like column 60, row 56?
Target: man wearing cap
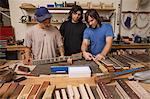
column 42, row 39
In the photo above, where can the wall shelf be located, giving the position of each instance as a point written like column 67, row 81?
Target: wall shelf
column 37, row 22
column 135, row 11
column 68, row 8
column 65, row 10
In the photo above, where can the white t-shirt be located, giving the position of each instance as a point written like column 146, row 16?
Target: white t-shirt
column 43, row 42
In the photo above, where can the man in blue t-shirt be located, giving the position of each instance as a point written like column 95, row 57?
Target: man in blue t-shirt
column 98, row 37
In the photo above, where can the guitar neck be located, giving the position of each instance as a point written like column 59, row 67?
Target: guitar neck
column 56, row 59
column 116, row 74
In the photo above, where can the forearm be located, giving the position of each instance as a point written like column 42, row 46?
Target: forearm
column 61, row 50
column 28, row 52
column 84, row 47
column 107, row 47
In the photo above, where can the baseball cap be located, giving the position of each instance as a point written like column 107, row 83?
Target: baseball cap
column 42, row 14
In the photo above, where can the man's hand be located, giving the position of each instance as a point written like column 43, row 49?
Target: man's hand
column 26, row 59
column 87, row 56
column 69, row 60
column 99, row 57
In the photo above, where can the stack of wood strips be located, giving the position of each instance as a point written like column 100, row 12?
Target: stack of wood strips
column 131, row 90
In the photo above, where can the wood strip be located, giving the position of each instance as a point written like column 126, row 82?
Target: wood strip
column 118, row 63
column 4, row 88
column 122, row 92
column 138, row 89
column 102, row 67
column 138, row 61
column 127, row 89
column 76, row 92
column 107, row 62
column 49, row 91
column 122, row 60
column 64, row 95
column 83, row 92
column 42, row 89
column 89, row 91
column 10, row 90
column 25, row 91
column 33, row 91
column 57, row 94
column 101, row 96
column 107, row 94
column 119, row 93
column 70, row 92
column 16, row 92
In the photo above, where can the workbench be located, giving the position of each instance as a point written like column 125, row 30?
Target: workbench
column 62, row 80
column 114, row 46
column 131, row 46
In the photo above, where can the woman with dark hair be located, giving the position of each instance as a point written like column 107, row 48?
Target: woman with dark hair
column 72, row 31
column 97, row 37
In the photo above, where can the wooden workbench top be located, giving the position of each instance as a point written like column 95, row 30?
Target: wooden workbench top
column 60, row 82
column 114, row 46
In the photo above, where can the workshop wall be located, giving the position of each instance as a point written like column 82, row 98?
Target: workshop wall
column 128, row 5
column 140, row 22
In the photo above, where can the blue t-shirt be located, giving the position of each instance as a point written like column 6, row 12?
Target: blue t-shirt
column 97, row 37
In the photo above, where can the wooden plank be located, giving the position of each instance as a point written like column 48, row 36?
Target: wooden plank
column 127, row 89
column 107, row 94
column 57, row 94
column 16, row 92
column 102, row 67
column 42, row 89
column 139, row 90
column 118, row 63
column 49, row 91
column 101, row 96
column 10, row 90
column 89, row 91
column 76, row 92
column 64, row 95
column 122, row 92
column 83, row 92
column 33, row 91
column 70, row 91
column 55, row 80
column 25, row 91
column 119, row 93
column 4, row 88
